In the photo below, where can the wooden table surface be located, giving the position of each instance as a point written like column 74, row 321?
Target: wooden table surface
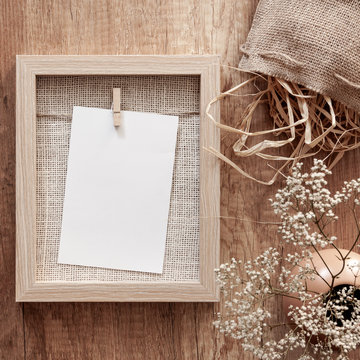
column 114, row 330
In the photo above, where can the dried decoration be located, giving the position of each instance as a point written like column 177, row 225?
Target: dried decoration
column 317, row 281
column 307, row 52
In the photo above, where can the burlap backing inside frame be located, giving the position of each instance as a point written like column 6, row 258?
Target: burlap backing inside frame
column 315, row 43
column 175, row 95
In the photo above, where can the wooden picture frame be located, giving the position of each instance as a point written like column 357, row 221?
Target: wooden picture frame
column 28, row 67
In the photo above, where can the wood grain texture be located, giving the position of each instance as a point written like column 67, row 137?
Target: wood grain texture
column 132, row 331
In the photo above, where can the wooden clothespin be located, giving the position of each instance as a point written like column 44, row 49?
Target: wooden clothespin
column 116, row 106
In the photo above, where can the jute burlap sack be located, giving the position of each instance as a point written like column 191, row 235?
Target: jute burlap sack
column 315, row 43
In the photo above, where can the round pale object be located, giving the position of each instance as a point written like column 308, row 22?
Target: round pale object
column 325, row 262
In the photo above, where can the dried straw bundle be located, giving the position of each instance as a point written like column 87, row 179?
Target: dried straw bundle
column 304, row 119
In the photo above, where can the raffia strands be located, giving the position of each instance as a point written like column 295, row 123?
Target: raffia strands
column 303, row 119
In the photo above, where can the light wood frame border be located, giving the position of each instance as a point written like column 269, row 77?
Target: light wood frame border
column 27, row 288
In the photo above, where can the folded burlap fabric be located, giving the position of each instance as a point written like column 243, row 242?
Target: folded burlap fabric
column 315, row 43
column 308, row 53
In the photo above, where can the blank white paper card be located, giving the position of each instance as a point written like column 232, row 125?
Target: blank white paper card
column 117, row 193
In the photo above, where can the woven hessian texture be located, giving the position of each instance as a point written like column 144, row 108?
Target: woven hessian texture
column 322, row 36
column 173, row 95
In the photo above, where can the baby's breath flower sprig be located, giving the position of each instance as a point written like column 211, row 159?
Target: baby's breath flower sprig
column 324, row 326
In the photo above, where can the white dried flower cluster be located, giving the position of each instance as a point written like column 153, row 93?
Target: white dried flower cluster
column 305, row 201
column 252, row 289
